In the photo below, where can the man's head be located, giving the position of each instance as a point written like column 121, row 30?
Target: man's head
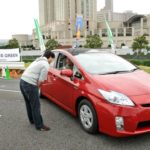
column 49, row 55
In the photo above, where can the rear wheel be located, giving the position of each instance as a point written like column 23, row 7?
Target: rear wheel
column 87, row 116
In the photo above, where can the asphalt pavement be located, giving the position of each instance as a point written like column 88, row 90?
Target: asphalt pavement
column 16, row 133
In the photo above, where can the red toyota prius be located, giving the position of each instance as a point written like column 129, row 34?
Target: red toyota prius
column 107, row 93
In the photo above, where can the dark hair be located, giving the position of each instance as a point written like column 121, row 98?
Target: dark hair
column 49, row 54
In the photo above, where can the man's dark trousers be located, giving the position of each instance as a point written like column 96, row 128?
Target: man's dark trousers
column 31, row 96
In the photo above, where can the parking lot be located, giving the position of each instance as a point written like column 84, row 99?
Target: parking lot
column 16, row 133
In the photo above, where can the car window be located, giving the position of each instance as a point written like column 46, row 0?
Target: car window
column 60, row 62
column 63, row 62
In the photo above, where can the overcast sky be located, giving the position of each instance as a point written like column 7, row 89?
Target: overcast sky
column 16, row 16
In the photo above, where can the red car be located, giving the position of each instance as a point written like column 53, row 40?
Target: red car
column 106, row 92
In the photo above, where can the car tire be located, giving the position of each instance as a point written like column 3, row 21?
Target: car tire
column 87, row 116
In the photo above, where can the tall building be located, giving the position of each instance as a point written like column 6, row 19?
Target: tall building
column 60, row 10
column 110, row 15
column 46, row 11
column 109, row 5
column 58, row 17
column 107, row 11
column 124, row 26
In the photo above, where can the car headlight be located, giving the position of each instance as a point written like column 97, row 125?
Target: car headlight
column 116, row 98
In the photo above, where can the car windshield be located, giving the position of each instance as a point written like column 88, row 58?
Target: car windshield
column 104, row 63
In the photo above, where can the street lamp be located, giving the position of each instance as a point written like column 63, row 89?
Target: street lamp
column 20, row 52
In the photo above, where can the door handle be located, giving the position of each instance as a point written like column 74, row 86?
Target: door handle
column 54, row 77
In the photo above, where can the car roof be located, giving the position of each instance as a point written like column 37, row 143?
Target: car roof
column 76, row 51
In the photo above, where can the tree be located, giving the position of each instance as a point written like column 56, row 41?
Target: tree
column 13, row 43
column 140, row 43
column 148, row 48
column 93, row 41
column 52, row 44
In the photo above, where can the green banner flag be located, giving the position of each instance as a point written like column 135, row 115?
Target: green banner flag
column 7, row 73
column 110, row 35
column 39, row 35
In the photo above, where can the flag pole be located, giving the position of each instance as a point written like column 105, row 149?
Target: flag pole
column 39, row 35
column 110, row 36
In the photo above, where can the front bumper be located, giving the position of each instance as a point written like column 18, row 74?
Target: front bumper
column 136, row 119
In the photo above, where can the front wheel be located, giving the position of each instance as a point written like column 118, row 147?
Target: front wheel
column 87, row 116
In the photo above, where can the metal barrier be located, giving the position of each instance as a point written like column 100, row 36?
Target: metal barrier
column 13, row 65
column 15, row 68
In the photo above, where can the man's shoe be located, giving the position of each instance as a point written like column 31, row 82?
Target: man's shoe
column 44, row 128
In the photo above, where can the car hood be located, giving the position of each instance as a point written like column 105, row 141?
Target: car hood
column 131, row 84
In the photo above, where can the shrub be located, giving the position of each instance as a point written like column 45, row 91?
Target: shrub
column 140, row 62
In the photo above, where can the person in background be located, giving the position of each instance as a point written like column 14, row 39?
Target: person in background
column 30, row 82
column 3, row 71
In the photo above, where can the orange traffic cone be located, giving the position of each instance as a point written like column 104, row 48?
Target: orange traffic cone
column 11, row 74
column 14, row 74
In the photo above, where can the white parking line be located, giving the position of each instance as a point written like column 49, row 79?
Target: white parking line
column 14, row 91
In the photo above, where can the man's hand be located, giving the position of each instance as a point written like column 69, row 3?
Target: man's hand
column 39, row 83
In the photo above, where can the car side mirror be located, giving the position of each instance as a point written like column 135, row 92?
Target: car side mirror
column 67, row 73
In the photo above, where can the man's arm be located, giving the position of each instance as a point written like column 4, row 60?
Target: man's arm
column 39, row 83
column 43, row 76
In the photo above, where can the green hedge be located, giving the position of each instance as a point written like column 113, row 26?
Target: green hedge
column 135, row 56
column 140, row 62
column 27, row 59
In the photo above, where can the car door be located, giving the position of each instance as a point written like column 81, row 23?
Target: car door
column 47, row 87
column 62, row 87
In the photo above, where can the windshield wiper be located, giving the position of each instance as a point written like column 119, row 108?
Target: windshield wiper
column 132, row 70
column 121, row 71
